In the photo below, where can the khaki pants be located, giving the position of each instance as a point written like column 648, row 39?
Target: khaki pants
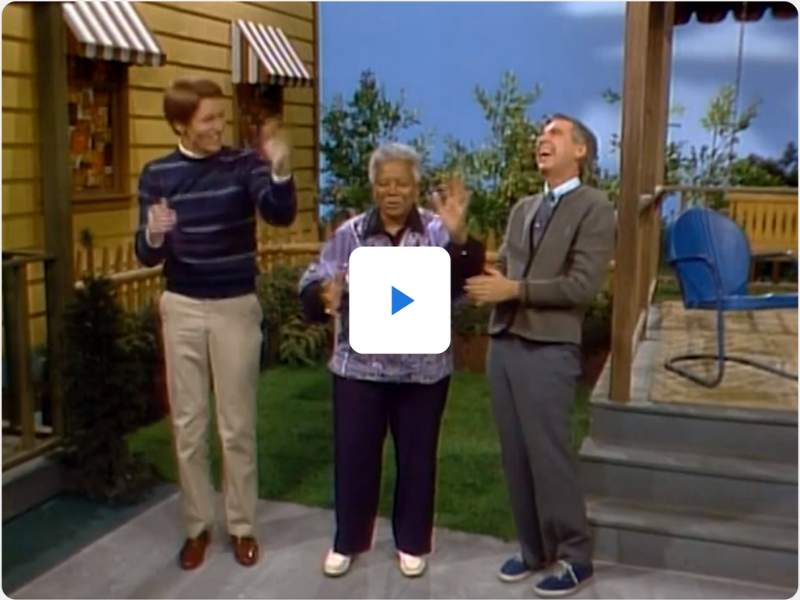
column 221, row 338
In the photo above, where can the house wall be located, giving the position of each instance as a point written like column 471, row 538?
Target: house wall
column 196, row 38
column 22, row 203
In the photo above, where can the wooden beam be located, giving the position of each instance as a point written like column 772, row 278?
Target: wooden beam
column 637, row 29
column 653, row 157
column 51, row 75
column 317, row 116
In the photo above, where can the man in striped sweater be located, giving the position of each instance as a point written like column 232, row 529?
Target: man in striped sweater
column 198, row 210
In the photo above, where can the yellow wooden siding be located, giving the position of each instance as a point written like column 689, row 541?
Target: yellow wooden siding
column 22, row 202
column 22, row 212
column 196, row 39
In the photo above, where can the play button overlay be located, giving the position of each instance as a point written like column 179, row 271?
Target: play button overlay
column 415, row 317
column 399, row 300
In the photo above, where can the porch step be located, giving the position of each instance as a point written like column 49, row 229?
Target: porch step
column 753, row 434
column 719, row 484
column 757, row 549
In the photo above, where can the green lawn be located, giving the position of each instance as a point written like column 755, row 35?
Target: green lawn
column 295, row 450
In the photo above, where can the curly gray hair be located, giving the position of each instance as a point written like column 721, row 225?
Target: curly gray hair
column 393, row 151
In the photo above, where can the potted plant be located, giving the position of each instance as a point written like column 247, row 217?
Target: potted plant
column 470, row 338
column 596, row 338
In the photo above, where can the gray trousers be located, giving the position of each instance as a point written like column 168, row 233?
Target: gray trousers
column 533, row 387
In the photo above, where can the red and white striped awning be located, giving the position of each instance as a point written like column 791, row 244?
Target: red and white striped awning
column 112, row 31
column 263, row 54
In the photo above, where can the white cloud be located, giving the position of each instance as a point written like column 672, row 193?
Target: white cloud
column 720, row 43
column 606, row 120
column 592, row 9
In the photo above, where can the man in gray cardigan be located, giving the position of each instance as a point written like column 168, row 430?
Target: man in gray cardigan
column 552, row 264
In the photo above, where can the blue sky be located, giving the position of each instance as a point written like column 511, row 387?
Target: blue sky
column 438, row 51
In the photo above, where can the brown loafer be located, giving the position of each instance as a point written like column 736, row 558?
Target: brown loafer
column 245, row 549
column 193, row 552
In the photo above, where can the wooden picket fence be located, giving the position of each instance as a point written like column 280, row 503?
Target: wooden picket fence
column 137, row 285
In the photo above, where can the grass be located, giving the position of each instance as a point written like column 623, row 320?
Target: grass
column 295, row 449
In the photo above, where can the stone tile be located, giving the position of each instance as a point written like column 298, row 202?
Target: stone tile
column 138, row 560
column 769, row 336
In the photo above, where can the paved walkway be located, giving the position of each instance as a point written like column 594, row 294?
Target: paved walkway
column 138, row 560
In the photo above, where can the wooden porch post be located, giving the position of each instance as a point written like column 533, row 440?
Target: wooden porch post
column 647, row 29
column 657, row 101
column 51, row 72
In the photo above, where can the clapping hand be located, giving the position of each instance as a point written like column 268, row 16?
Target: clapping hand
column 492, row 287
column 161, row 220
column 451, row 204
column 275, row 147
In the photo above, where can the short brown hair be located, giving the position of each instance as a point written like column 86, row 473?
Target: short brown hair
column 183, row 97
column 583, row 135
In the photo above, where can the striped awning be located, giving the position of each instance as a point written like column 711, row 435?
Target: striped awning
column 112, row 31
column 716, row 12
column 263, row 54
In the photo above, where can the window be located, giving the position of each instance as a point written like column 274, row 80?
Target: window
column 97, row 127
column 255, row 103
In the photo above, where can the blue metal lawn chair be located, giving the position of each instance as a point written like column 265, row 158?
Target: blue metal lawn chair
column 711, row 258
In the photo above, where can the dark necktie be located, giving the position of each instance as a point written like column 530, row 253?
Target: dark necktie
column 542, row 217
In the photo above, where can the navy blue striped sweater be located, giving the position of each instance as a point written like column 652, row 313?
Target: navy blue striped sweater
column 211, row 252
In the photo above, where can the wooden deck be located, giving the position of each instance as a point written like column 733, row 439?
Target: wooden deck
column 770, row 336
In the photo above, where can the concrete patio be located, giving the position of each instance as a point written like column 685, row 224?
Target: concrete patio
column 137, row 560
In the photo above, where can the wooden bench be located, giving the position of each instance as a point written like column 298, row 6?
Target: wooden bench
column 769, row 221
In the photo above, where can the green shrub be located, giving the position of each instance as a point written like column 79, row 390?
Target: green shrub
column 109, row 388
column 299, row 343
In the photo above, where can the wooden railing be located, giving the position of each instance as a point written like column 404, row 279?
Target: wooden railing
column 22, row 438
column 648, row 264
column 140, row 285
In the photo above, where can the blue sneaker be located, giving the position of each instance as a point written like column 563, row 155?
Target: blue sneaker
column 514, row 569
column 567, row 579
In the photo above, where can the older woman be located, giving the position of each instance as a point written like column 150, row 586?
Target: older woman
column 404, row 394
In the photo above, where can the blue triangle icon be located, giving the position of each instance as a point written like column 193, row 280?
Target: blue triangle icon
column 399, row 300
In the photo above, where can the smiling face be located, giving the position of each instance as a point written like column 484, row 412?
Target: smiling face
column 559, row 151
column 203, row 133
column 395, row 190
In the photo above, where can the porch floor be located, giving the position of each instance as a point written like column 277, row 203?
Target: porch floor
column 769, row 336
column 137, row 560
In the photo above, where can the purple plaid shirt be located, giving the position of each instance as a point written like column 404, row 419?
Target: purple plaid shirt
column 424, row 229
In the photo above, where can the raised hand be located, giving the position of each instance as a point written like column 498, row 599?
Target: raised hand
column 275, row 147
column 451, row 204
column 161, row 220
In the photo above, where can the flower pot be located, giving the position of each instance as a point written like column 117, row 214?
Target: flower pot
column 270, row 348
column 469, row 352
column 595, row 348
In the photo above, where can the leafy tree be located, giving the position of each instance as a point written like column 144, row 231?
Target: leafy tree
column 754, row 170
column 501, row 170
column 714, row 163
column 351, row 130
column 710, row 164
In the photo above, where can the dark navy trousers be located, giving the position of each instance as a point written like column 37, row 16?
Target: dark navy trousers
column 363, row 413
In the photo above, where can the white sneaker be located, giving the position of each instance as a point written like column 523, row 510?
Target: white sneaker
column 336, row 564
column 411, row 566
